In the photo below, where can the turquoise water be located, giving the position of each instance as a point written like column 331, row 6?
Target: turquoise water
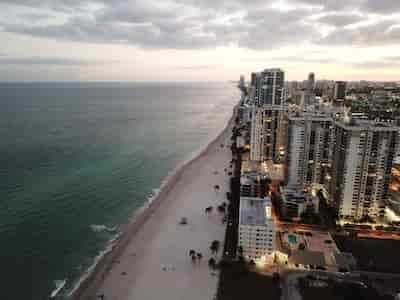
column 78, row 159
column 292, row 239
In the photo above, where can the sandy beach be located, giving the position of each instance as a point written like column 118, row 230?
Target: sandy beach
column 151, row 259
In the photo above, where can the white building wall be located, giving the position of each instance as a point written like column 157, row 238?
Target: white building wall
column 352, row 165
column 295, row 165
column 257, row 241
column 255, row 138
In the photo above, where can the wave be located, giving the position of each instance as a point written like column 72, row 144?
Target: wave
column 100, row 228
column 166, row 182
column 59, row 286
column 110, row 246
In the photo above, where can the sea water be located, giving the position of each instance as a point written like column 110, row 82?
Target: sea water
column 78, row 159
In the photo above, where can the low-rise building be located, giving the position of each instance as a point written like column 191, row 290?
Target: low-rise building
column 295, row 203
column 256, row 229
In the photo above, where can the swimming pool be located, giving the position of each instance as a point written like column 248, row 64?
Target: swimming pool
column 292, row 239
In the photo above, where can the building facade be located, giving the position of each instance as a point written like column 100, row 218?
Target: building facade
column 269, row 87
column 265, row 133
column 340, row 91
column 308, row 150
column 268, row 100
column 256, row 229
column 361, row 169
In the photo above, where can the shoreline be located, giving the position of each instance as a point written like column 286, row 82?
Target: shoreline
column 94, row 279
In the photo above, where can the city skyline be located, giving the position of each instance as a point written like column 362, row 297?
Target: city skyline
column 198, row 41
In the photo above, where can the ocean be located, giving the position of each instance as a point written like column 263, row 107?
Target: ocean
column 78, row 159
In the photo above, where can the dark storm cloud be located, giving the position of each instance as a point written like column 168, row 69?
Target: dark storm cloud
column 193, row 24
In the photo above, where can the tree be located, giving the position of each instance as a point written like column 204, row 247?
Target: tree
column 212, row 263
column 221, row 209
column 214, row 247
column 302, row 246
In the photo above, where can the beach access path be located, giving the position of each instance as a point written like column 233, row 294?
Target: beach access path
column 155, row 264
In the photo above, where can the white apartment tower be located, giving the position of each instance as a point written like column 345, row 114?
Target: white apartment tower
column 361, row 169
column 268, row 99
column 308, row 150
column 256, row 229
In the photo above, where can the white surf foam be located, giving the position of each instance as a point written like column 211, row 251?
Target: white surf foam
column 92, row 267
column 100, row 228
column 59, row 286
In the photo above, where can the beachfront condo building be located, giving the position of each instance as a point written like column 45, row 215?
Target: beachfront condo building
column 363, row 154
column 269, row 87
column 265, row 133
column 308, row 154
column 256, row 229
column 268, row 100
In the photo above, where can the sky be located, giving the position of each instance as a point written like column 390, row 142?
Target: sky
column 198, row 40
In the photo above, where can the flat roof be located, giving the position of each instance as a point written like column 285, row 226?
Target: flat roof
column 305, row 257
column 360, row 125
column 344, row 260
column 253, row 211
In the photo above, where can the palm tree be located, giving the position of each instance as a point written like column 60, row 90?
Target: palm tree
column 212, row 263
column 208, row 210
column 215, row 246
column 199, row 256
column 221, row 209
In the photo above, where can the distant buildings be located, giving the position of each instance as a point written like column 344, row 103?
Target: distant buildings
column 308, row 150
column 340, row 91
column 311, row 82
column 256, row 229
column 363, row 154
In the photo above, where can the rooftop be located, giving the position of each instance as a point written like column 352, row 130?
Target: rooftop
column 255, row 211
column 360, row 125
column 305, row 257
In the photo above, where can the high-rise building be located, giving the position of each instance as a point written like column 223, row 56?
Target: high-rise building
column 256, row 229
column 269, row 87
column 308, row 150
column 361, row 168
column 242, row 81
column 269, row 99
column 265, row 129
column 340, row 91
column 311, row 82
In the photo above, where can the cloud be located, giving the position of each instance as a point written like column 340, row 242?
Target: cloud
column 340, row 19
column 53, row 61
column 378, row 34
column 386, row 62
column 204, row 67
column 193, row 24
column 383, row 6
